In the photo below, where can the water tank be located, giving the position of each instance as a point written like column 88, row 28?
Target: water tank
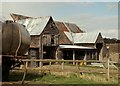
column 15, row 38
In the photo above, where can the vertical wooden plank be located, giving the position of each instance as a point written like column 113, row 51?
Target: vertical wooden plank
column 108, row 69
column 92, row 55
column 40, row 50
column 77, row 63
column 108, row 72
column 62, row 65
column 85, row 58
column 73, row 57
column 50, row 63
column 96, row 55
column 40, row 64
column 26, row 64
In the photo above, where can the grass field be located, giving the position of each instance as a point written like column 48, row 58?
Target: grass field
column 56, row 76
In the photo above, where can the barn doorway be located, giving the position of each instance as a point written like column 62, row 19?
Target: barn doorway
column 99, row 47
column 68, row 55
column 49, row 52
column 33, row 54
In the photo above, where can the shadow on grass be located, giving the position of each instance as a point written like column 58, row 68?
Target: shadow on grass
column 17, row 76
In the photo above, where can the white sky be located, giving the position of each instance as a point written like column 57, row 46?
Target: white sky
column 90, row 17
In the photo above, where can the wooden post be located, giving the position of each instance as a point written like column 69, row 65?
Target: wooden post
column 96, row 55
column 73, row 57
column 76, row 63
column 62, row 65
column 50, row 63
column 40, row 64
column 92, row 55
column 26, row 64
column 108, row 72
column 85, row 58
column 40, row 50
column 56, row 55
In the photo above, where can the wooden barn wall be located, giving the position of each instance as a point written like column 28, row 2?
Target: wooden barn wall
column 51, row 28
column 104, row 52
column 114, row 51
column 34, row 41
column 99, row 39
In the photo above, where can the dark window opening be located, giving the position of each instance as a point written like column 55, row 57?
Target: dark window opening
column 52, row 39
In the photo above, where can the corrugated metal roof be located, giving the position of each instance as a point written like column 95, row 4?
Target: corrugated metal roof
column 74, row 47
column 35, row 26
column 61, row 26
column 73, row 27
column 63, row 38
column 18, row 17
column 82, row 37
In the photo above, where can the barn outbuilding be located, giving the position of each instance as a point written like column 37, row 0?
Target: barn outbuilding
column 91, row 40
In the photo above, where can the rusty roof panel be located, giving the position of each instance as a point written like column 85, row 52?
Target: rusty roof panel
column 61, row 26
column 63, row 38
column 73, row 27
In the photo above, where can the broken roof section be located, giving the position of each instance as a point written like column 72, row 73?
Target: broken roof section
column 35, row 26
column 66, row 27
column 17, row 17
column 62, row 38
column 73, row 28
column 79, row 38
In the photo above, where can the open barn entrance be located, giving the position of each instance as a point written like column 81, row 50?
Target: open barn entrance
column 33, row 54
column 67, row 54
column 49, row 52
column 99, row 47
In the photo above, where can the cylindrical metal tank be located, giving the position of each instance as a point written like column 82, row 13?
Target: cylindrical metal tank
column 15, row 39
column 0, row 38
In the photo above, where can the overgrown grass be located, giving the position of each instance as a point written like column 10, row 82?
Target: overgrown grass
column 33, row 77
column 53, row 79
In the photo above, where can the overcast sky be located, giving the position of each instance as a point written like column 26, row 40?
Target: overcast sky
column 89, row 16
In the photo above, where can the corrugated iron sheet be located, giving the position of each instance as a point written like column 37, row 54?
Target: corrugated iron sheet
column 35, row 26
column 73, row 28
column 61, row 26
column 82, row 37
column 63, row 38
column 74, row 47
column 18, row 17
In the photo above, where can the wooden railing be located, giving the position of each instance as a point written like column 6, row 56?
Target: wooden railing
column 62, row 62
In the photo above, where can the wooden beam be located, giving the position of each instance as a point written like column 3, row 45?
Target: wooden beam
column 73, row 57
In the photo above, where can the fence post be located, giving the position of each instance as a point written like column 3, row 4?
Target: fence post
column 62, row 64
column 40, row 64
column 108, row 69
column 73, row 57
column 26, row 64
column 108, row 72
column 76, row 63
column 50, row 63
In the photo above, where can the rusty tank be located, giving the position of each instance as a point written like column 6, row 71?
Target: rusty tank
column 15, row 38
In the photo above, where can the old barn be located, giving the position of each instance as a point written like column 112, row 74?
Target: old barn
column 44, row 37
column 59, row 40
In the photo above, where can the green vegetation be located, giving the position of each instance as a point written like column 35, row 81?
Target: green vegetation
column 33, row 77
